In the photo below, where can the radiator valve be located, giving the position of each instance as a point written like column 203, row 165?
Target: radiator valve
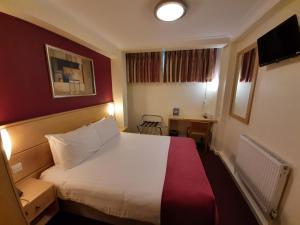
column 273, row 214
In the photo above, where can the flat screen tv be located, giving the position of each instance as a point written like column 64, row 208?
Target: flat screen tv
column 280, row 43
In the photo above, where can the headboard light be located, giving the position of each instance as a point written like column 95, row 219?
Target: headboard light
column 6, row 143
column 111, row 109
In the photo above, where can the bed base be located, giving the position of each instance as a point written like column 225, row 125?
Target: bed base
column 91, row 213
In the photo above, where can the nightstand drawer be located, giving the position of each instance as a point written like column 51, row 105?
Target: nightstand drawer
column 39, row 204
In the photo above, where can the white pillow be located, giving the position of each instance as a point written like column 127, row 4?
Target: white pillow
column 106, row 129
column 70, row 149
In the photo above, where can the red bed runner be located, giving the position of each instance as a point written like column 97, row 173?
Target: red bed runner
column 187, row 197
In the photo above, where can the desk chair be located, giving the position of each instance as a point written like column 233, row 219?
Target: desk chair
column 199, row 130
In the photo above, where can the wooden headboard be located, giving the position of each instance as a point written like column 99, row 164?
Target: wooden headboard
column 31, row 148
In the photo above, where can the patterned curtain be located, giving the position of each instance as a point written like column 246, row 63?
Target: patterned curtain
column 143, row 67
column 248, row 62
column 196, row 65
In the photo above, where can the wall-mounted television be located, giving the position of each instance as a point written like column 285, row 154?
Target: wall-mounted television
column 280, row 43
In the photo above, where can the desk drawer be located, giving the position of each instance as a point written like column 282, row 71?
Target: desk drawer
column 33, row 209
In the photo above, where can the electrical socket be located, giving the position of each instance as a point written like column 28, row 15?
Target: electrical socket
column 16, row 168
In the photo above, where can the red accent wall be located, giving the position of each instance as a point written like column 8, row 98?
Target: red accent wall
column 25, row 90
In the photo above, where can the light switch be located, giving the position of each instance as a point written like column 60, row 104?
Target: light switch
column 16, row 168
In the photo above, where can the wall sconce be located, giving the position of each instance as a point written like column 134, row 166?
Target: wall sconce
column 7, row 147
column 111, row 109
column 6, row 143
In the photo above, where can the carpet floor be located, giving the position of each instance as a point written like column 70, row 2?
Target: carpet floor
column 233, row 210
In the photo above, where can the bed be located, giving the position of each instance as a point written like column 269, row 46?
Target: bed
column 139, row 179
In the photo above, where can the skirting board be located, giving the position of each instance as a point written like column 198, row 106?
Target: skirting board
column 250, row 201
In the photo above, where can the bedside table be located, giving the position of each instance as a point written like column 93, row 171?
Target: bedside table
column 38, row 200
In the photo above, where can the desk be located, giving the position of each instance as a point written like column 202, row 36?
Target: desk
column 181, row 123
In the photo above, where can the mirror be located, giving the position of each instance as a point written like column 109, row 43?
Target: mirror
column 244, row 84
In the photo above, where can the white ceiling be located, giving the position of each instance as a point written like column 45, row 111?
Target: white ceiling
column 131, row 25
column 108, row 26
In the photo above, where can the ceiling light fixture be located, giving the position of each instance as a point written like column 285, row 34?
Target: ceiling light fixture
column 170, row 10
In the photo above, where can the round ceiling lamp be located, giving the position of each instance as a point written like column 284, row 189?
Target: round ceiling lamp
column 170, row 10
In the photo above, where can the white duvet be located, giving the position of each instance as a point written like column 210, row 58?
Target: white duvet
column 124, row 178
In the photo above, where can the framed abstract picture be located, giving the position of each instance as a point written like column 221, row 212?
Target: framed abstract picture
column 70, row 74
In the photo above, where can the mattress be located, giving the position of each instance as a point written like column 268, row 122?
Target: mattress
column 125, row 178
column 146, row 178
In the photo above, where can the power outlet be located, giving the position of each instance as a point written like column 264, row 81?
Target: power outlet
column 16, row 168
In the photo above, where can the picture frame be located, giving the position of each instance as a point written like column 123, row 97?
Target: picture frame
column 71, row 75
column 176, row 111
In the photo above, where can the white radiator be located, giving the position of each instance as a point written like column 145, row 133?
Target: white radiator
column 263, row 174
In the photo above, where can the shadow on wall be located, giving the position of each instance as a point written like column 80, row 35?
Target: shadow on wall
column 283, row 63
column 283, row 200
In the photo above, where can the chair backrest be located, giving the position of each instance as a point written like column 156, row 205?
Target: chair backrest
column 199, row 126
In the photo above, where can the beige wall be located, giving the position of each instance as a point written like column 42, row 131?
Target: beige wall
column 274, row 120
column 119, row 85
column 161, row 98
